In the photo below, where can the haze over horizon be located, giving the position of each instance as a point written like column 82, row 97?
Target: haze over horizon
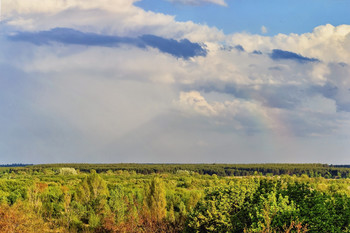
column 181, row 81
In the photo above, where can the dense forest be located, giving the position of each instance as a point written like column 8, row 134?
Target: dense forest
column 312, row 170
column 175, row 198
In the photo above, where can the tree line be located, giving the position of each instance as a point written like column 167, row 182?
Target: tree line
column 312, row 170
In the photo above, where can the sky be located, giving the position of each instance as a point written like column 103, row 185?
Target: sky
column 175, row 81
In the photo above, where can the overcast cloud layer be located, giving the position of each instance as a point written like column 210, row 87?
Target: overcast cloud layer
column 105, row 81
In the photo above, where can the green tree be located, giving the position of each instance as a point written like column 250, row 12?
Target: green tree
column 91, row 196
column 273, row 213
column 155, row 198
column 223, row 208
column 117, row 203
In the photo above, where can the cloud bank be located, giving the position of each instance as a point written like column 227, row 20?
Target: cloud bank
column 83, row 81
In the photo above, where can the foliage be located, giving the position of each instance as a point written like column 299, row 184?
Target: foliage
column 311, row 170
column 174, row 198
column 18, row 218
column 155, row 199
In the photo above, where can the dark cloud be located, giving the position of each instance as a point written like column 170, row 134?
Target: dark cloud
column 343, row 107
column 257, row 52
column 276, row 68
column 239, row 48
column 328, row 90
column 180, row 49
column 285, row 96
column 183, row 48
column 278, row 54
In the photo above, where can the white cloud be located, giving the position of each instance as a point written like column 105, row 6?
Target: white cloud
column 194, row 102
column 25, row 7
column 91, row 99
column 238, row 114
column 113, row 17
column 326, row 43
column 263, row 29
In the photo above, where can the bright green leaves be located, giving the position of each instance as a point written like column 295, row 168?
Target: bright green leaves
column 91, row 200
column 222, row 208
column 117, row 203
column 155, row 199
column 273, row 213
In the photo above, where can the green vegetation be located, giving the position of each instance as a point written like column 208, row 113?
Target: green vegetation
column 174, row 198
column 312, row 170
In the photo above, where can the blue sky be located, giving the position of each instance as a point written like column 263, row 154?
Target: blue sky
column 278, row 16
column 178, row 81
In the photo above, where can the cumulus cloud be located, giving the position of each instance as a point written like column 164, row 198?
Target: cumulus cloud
column 85, row 85
column 271, row 84
column 195, row 103
column 19, row 7
column 111, row 17
column 338, row 86
column 250, row 116
column 326, row 43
